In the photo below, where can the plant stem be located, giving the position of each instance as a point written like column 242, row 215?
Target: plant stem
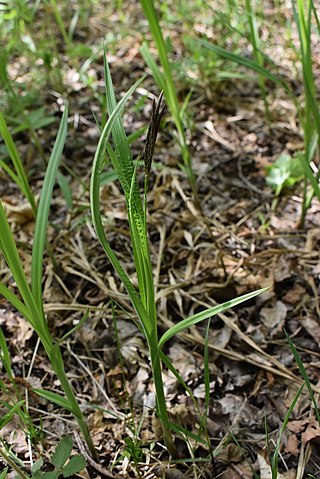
column 160, row 397
column 74, row 406
column 12, row 464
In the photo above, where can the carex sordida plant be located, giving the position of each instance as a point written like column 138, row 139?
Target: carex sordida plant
column 142, row 297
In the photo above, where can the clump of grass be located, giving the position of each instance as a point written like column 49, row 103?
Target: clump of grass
column 31, row 303
column 142, row 298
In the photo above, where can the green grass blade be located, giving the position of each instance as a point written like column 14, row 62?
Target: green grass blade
column 11, row 173
column 196, row 318
column 43, row 211
column 8, row 417
column 55, row 398
column 206, row 370
column 185, row 433
column 246, row 62
column 275, row 456
column 303, row 373
column 124, row 164
column 17, row 163
column 156, row 73
column 12, row 298
column 11, row 255
column 5, row 356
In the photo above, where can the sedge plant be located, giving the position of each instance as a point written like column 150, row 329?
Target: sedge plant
column 31, row 303
column 142, row 297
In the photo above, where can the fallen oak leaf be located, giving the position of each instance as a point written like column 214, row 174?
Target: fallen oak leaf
column 312, row 431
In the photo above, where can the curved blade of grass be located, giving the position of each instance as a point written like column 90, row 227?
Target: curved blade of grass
column 10, row 252
column 156, row 73
column 275, row 456
column 55, row 398
column 5, row 356
column 11, row 173
column 17, row 163
column 196, row 318
column 304, row 374
column 12, row 298
column 246, row 62
column 8, row 417
column 43, row 211
column 182, row 431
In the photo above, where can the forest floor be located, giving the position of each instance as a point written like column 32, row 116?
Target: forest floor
column 240, row 240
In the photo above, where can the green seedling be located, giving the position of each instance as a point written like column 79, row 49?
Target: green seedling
column 31, row 303
column 64, row 464
column 284, row 173
column 142, row 298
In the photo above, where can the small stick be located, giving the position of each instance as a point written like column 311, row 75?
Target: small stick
column 89, row 459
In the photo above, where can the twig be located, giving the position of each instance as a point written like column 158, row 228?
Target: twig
column 87, row 456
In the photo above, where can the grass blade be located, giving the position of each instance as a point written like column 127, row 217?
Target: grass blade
column 275, row 456
column 304, row 374
column 17, row 163
column 43, row 211
column 246, row 62
column 196, row 318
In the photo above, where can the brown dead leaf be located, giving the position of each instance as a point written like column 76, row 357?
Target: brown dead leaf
column 238, row 471
column 18, row 214
column 297, row 426
column 294, row 295
column 311, row 325
column 15, row 437
column 283, row 268
column 273, row 316
column 231, row 453
column 292, row 445
column 20, row 329
column 312, row 431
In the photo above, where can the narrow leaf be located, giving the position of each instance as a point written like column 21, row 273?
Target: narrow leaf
column 196, row 318
column 43, row 211
column 54, row 397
